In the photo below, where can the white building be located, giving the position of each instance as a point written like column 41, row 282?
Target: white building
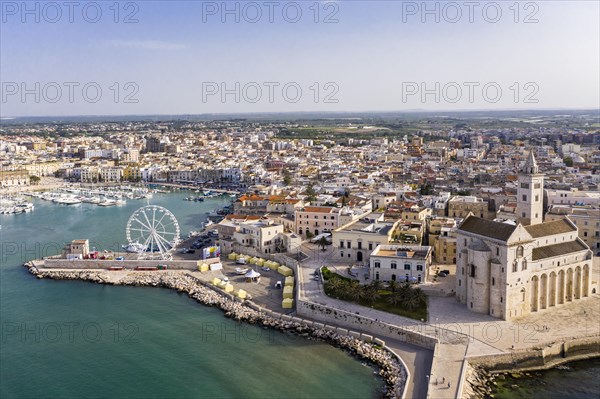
column 400, row 263
column 358, row 239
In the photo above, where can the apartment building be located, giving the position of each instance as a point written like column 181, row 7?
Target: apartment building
column 400, row 263
column 358, row 239
column 461, row 206
column 586, row 218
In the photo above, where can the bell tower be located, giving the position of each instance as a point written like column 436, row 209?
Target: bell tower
column 530, row 193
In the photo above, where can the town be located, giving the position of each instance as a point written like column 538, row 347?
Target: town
column 420, row 227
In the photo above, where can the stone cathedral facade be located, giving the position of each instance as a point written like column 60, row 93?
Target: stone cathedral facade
column 511, row 269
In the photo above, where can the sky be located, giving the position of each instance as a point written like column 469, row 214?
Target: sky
column 193, row 57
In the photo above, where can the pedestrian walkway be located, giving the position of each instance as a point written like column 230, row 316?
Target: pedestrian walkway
column 462, row 333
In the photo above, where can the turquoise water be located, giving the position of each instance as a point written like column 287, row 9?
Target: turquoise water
column 74, row 339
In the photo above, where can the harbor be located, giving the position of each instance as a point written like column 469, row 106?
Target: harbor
column 133, row 320
column 15, row 205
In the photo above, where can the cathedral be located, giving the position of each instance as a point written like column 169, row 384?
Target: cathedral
column 511, row 269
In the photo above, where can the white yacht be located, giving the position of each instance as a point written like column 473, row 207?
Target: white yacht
column 134, row 247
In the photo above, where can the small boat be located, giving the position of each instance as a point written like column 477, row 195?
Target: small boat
column 108, row 202
column 134, row 247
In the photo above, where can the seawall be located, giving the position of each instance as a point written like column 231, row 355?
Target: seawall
column 363, row 346
column 482, row 370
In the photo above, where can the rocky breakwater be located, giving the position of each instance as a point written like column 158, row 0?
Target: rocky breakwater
column 389, row 367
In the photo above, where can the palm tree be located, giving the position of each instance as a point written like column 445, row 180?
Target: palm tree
column 335, row 286
column 354, row 291
column 323, row 242
column 393, row 286
column 376, row 285
column 370, row 294
column 415, row 298
column 396, row 298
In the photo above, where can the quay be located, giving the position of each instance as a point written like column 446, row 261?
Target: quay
column 192, row 187
column 455, row 346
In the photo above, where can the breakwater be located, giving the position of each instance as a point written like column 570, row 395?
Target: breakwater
column 483, row 372
column 389, row 367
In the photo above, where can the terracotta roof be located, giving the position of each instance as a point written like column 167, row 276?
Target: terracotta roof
column 550, row 228
column 487, row 228
column 563, row 248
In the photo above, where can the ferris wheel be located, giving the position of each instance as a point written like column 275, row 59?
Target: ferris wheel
column 155, row 232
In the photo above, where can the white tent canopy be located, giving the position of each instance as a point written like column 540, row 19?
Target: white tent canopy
column 252, row 274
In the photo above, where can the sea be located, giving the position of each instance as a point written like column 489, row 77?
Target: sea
column 72, row 339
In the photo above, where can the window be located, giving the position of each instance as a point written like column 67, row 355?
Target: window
column 419, row 268
column 524, row 265
column 520, row 251
column 407, row 266
column 370, row 246
column 493, row 281
column 472, row 272
column 459, row 283
column 349, row 244
column 341, row 244
column 359, row 245
column 501, row 299
column 377, row 276
column 524, row 185
column 537, row 198
column 497, row 251
column 514, row 269
column 524, row 197
column 377, row 265
column 394, row 266
column 342, row 254
column 393, row 277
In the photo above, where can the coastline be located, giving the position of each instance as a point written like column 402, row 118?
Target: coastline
column 388, row 365
column 480, row 381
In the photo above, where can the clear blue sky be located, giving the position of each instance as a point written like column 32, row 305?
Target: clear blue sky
column 378, row 56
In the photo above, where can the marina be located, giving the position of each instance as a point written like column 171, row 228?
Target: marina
column 105, row 197
column 193, row 346
column 15, row 205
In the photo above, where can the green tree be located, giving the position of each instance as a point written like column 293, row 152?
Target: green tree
column 311, row 194
column 335, row 285
column 370, row 294
column 323, row 242
column 568, row 161
column 415, row 298
column 426, row 189
column 287, row 177
column 393, row 286
column 396, row 298
column 354, row 291
column 34, row 180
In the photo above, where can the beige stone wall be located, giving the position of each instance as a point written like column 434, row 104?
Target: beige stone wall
column 349, row 320
column 540, row 358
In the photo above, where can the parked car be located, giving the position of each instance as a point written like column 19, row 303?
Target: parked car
column 446, row 271
column 442, row 274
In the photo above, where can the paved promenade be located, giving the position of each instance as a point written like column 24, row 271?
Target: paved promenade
column 450, row 321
